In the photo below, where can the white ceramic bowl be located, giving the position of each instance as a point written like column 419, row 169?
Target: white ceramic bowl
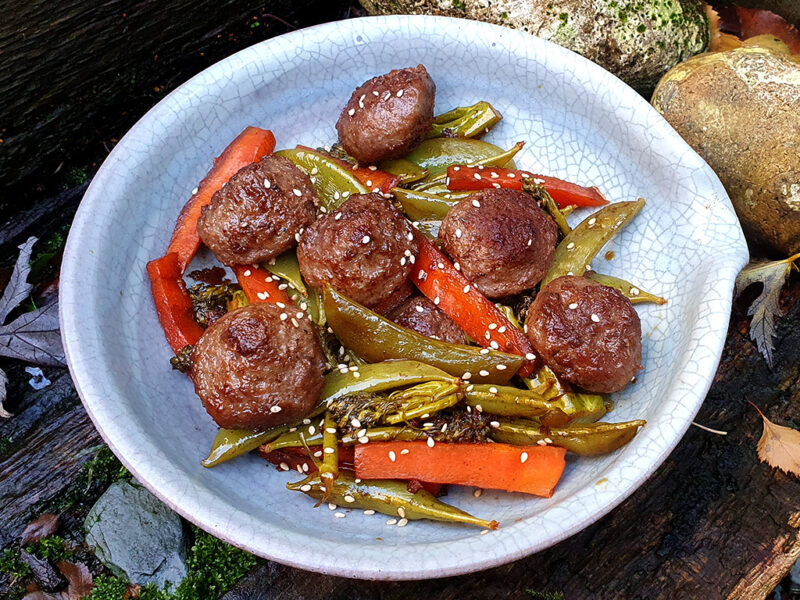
column 580, row 122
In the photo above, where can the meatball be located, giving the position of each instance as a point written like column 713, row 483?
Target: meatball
column 253, row 369
column 501, row 238
column 365, row 250
column 587, row 333
column 259, row 213
column 423, row 316
column 388, row 115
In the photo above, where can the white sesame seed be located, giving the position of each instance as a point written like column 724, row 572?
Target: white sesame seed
column 284, row 466
column 283, row 286
column 300, row 469
column 523, row 457
column 365, row 239
column 494, row 345
column 305, row 488
column 512, row 175
column 332, row 506
column 419, row 309
column 375, row 93
column 262, row 295
column 336, row 195
column 570, row 246
column 478, row 407
column 312, row 430
column 361, row 432
column 295, row 323
column 484, row 532
column 595, row 318
column 275, row 409
column 355, row 423
column 361, row 101
column 305, row 467
column 494, row 424
column 635, row 291
column 422, row 275
column 458, row 233
column 477, row 176
column 306, row 421
column 402, row 522
column 284, row 316
column 501, row 367
column 339, row 515
column 349, row 498
column 477, row 493
column 502, row 329
column 476, row 204
column 484, row 373
column 470, row 387
column 466, row 376
column 330, row 429
column 392, row 456
column 369, row 512
column 492, row 325
column 493, row 390
column 444, row 428
column 484, row 351
column 402, row 261
column 401, row 511
column 404, row 451
column 541, row 443
column 573, row 305
column 412, row 259
column 592, row 221
column 195, row 190
column 457, row 266
column 466, row 289
column 400, row 93
column 363, row 439
column 430, row 442
column 456, row 168
column 345, row 194
column 436, row 300
column 351, row 112
column 530, row 356
column 297, row 192
column 391, row 522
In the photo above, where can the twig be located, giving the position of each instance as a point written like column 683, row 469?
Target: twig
column 704, row 428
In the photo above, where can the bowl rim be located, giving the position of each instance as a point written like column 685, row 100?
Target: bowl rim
column 329, row 561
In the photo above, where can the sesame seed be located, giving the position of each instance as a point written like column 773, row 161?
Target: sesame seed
column 306, row 421
column 477, row 493
column 422, row 275
column 361, row 101
column 502, row 329
column 375, row 93
column 392, row 456
column 458, row 233
column 570, row 246
column 361, row 432
column 412, row 259
column 470, row 387
column 336, row 195
column 337, row 216
column 195, row 190
column 355, row 423
column 484, row 351
column 404, row 451
column 501, row 367
column 402, row 261
column 330, row 429
column 262, row 295
column 297, row 192
column 530, row 356
column 484, row 532
column 332, row 506
column 483, row 373
column 354, row 368
column 410, row 236
column 369, row 512
column 349, row 498
column 496, row 186
column 284, row 466
column 447, row 181
column 388, row 95
column 523, row 457
column 492, row 325
column 494, row 175
column 478, row 176
column 595, row 318
column 493, row 390
column 369, row 183
column 314, row 170
column 402, row 522
column 391, row 522
column 373, row 167
column 512, row 175
column 494, row 345
column 363, row 439
column 541, row 443
column 283, row 286
column 339, row 515
column 548, row 440
column 466, row 376
column 436, row 300
column 345, row 194
column 476, row 204
column 444, row 428
column 284, row 316
column 494, row 424
column 356, row 374
column 419, row 309
column 573, row 306
column 592, row 221
column 407, row 253
column 478, row 407
column 400, row 94
column 295, row 323
column 430, row 442
column 305, row 467
column 300, row 469
column 365, row 239
column 312, row 430
column 635, row 291
column 401, row 511
column 351, row 112
column 457, row 266
column 466, row 289
column 275, row 409
column 305, row 488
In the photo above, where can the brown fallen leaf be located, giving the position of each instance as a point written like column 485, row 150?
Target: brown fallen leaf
column 42, row 527
column 779, row 446
column 80, row 584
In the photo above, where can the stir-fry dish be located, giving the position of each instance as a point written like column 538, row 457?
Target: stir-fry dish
column 410, row 310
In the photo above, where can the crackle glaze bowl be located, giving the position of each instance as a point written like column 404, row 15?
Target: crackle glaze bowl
column 580, row 123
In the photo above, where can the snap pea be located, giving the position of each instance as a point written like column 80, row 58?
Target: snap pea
column 439, row 153
column 379, row 377
column 579, row 407
column 407, row 171
column 438, row 179
column 302, row 437
column 581, row 245
column 287, row 268
column 590, row 439
column 423, row 399
column 230, row 443
column 388, row 497
column 329, row 469
column 633, row 293
column 376, row 339
column 429, row 228
column 332, row 182
column 466, row 121
column 421, row 206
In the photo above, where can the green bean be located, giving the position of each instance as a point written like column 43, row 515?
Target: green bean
column 466, row 121
column 633, row 293
column 429, row 229
column 423, row 399
column 388, row 497
column 588, row 440
column 581, row 245
column 332, row 182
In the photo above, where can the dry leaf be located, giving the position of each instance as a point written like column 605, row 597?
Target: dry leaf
column 765, row 308
column 3, row 383
column 41, row 527
column 80, row 584
column 779, row 446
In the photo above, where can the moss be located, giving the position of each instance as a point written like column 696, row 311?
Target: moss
column 108, row 588
column 546, row 595
column 459, row 4
column 95, row 477
column 74, row 177
column 12, row 566
column 52, row 548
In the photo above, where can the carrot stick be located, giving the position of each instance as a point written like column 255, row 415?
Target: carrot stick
column 529, row 469
column 173, row 305
column 248, row 147
column 462, row 177
column 438, row 279
column 259, row 285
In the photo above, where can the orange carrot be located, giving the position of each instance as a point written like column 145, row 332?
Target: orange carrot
column 248, row 147
column 259, row 285
column 529, row 469
column 438, row 279
column 173, row 305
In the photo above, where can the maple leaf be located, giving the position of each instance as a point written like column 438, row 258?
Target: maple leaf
column 765, row 308
column 779, row 446
column 34, row 336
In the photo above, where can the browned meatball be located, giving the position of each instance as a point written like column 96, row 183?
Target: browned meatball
column 254, row 369
column 421, row 315
column 587, row 333
column 502, row 240
column 388, row 115
column 364, row 250
column 259, row 213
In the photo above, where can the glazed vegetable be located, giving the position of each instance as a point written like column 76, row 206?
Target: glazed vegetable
column 332, row 182
column 373, row 178
column 259, row 285
column 248, row 147
column 210, row 302
column 579, row 407
column 420, row 206
column 287, row 268
column 462, row 177
column 438, row 279
column 375, row 339
column 429, row 229
column 587, row 440
column 633, row 293
column 466, row 121
column 545, row 200
column 389, row 498
column 230, row 443
column 530, row 469
column 380, row 377
column 329, row 469
column 437, row 154
column 581, row 245
column 173, row 304
column 303, row 437
column 407, row 171
column 439, row 182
